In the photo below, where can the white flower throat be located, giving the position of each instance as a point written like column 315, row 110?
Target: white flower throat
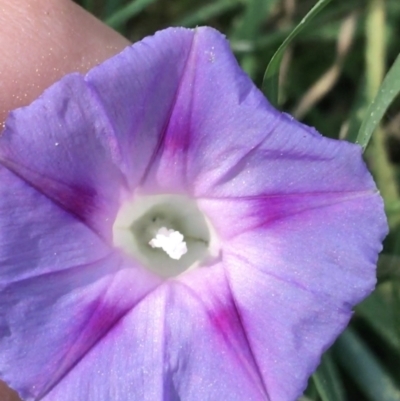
column 166, row 233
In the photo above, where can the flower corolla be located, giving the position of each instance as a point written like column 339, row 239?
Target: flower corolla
column 166, row 234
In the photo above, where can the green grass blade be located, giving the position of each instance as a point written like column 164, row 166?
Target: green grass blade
column 357, row 112
column 88, row 5
column 362, row 366
column 208, row 12
column 387, row 92
column 395, row 293
column 326, row 380
column 254, row 15
column 111, row 7
column 388, row 264
column 396, row 302
column 380, row 314
column 270, row 85
column 249, row 29
column 127, row 12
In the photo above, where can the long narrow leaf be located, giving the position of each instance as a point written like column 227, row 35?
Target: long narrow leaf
column 380, row 314
column 270, row 85
column 88, row 5
column 387, row 92
column 127, row 12
column 396, row 304
column 254, row 16
column 362, row 366
column 205, row 13
column 111, row 7
column 327, row 381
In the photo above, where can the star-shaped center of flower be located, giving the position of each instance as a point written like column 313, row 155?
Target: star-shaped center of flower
column 166, row 233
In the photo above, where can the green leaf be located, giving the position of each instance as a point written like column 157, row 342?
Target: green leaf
column 388, row 265
column 127, row 12
column 387, row 92
column 249, row 29
column 88, row 5
column 254, row 15
column 357, row 112
column 378, row 311
column 111, row 7
column 396, row 306
column 208, row 12
column 363, row 367
column 327, row 381
column 270, row 85
column 322, row 29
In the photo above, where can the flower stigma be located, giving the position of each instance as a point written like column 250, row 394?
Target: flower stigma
column 168, row 234
column 170, row 241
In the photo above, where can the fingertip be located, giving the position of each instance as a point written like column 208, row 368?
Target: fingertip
column 6, row 394
column 41, row 41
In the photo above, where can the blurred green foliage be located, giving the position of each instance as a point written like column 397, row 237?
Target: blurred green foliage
column 329, row 76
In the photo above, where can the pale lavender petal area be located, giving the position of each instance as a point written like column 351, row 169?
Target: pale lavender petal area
column 137, row 90
column 52, row 321
column 302, row 261
column 61, row 145
column 183, row 342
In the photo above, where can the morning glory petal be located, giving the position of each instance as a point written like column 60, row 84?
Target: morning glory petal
column 225, row 140
column 61, row 145
column 76, row 308
column 138, row 89
column 206, row 130
column 152, row 354
column 295, row 223
column 38, row 236
column 58, row 279
column 298, row 260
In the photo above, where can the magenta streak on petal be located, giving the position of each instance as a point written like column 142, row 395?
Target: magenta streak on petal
column 100, row 316
column 106, row 313
column 228, row 320
column 78, row 312
column 55, row 146
column 292, row 321
column 225, row 319
column 266, row 210
column 78, row 201
column 104, row 318
column 163, row 141
column 276, row 208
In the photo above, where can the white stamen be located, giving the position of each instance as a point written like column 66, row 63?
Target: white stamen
column 167, row 234
column 170, row 241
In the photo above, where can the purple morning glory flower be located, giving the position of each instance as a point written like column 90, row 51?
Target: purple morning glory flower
column 167, row 235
